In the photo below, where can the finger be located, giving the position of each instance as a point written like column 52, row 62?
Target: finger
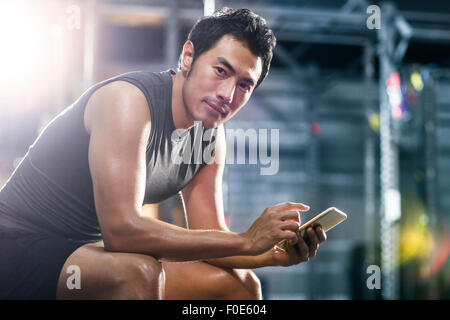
column 298, row 218
column 289, row 215
column 321, row 234
column 303, row 249
column 294, row 254
column 314, row 242
column 286, row 206
column 289, row 236
column 305, row 237
column 289, row 241
column 290, row 225
column 298, row 252
column 313, row 237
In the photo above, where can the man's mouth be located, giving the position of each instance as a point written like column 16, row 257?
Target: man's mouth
column 219, row 109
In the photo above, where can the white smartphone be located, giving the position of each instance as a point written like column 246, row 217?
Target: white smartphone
column 328, row 219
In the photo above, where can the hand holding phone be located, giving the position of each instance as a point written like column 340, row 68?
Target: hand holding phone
column 328, row 219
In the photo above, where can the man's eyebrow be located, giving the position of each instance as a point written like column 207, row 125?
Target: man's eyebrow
column 250, row 81
column 225, row 62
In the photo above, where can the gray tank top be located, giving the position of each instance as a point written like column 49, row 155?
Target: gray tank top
column 51, row 191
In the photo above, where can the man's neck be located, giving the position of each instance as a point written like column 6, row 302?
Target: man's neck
column 181, row 118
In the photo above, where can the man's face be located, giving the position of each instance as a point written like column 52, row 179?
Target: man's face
column 220, row 82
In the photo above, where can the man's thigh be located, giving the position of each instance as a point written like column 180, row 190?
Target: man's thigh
column 105, row 275
column 197, row 280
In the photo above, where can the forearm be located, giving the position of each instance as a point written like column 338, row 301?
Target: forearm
column 169, row 242
column 242, row 262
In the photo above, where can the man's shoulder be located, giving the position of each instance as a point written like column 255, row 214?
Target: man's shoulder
column 120, row 99
column 148, row 78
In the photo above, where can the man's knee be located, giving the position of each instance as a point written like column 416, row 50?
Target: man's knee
column 141, row 277
column 254, row 285
column 242, row 284
column 106, row 275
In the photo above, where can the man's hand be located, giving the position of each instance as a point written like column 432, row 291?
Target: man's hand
column 305, row 248
column 276, row 223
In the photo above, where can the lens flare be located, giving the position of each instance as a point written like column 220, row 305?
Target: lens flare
column 24, row 45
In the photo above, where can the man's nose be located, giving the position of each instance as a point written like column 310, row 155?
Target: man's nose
column 225, row 92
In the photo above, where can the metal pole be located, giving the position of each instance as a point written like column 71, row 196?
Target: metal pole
column 172, row 51
column 209, row 6
column 90, row 10
column 430, row 165
column 390, row 193
column 371, row 223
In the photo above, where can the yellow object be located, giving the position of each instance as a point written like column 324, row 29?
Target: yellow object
column 416, row 237
column 374, row 122
column 416, row 81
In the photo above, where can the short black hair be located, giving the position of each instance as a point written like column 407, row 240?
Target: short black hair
column 243, row 25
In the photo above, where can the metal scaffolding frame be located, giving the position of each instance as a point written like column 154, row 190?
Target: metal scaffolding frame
column 90, row 30
column 431, row 163
column 390, row 193
column 370, row 179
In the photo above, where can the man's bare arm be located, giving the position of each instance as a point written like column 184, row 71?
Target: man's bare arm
column 203, row 199
column 118, row 121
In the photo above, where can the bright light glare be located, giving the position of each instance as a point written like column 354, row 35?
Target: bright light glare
column 25, row 47
column 393, row 205
column 208, row 7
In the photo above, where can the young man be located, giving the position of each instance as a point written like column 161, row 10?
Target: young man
column 87, row 175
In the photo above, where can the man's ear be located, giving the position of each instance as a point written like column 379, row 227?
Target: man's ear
column 187, row 57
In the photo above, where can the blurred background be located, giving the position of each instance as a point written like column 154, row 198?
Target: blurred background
column 360, row 95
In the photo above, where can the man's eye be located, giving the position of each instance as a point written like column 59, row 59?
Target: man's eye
column 245, row 86
column 220, row 70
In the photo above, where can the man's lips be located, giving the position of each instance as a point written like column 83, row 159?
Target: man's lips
column 216, row 107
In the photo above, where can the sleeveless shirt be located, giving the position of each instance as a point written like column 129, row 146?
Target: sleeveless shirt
column 51, row 190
